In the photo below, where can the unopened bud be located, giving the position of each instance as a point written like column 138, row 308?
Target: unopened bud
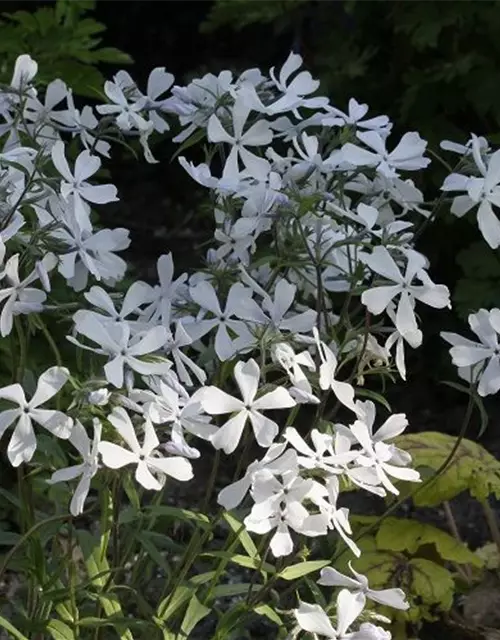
column 99, row 397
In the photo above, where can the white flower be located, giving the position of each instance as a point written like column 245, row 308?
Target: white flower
column 277, row 460
column 25, row 70
column 238, row 301
column 258, row 134
column 407, row 156
column 278, row 309
column 22, row 444
column 167, row 407
column 470, row 357
column 138, row 294
column 377, row 455
column 159, row 311
column 77, row 184
column 216, row 402
column 128, row 114
column 278, row 505
column 99, row 397
column 378, row 299
column 147, row 458
column 484, row 191
column 123, row 350
column 394, row 598
column 312, row 618
column 342, row 390
column 86, row 470
column 323, row 456
column 331, row 516
column 354, row 117
column 18, row 297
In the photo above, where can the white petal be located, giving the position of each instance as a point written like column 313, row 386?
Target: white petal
column 49, row 383
column 115, row 456
column 313, row 619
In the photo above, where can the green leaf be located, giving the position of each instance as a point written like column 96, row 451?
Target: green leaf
column 98, row 571
column 266, row 611
column 472, row 469
column 241, row 560
column 60, row 630
column 153, row 552
column 302, row 569
column 10, row 628
column 178, row 514
column 399, row 534
column 231, row 590
column 433, row 583
column 244, row 537
column 195, row 612
column 169, row 605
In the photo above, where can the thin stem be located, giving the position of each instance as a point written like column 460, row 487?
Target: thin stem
column 492, row 522
column 466, row 570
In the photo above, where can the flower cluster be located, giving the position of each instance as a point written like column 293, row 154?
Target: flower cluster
column 312, row 284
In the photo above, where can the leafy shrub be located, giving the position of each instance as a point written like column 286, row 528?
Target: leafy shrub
column 65, row 40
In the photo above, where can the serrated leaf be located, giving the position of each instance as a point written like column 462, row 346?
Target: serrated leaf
column 472, row 469
column 399, row 534
column 433, row 584
column 302, row 569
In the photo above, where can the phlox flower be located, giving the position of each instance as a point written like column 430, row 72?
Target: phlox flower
column 277, row 460
column 22, row 445
column 76, row 184
column 18, row 297
column 312, row 618
column 406, row 156
column 394, row 598
column 377, row 456
column 216, row 402
column 479, row 361
column 483, row 191
column 278, row 505
column 86, row 469
column 258, row 134
column 127, row 113
column 354, row 117
column 378, row 298
column 148, row 460
column 238, row 305
column 327, row 380
column 122, row 349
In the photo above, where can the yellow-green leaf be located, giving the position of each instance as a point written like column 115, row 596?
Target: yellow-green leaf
column 399, row 534
column 59, row 630
column 472, row 468
column 243, row 535
column 11, row 629
column 195, row 612
column 433, row 584
column 302, row 569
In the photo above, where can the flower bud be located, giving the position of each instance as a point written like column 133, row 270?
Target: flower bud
column 99, row 397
